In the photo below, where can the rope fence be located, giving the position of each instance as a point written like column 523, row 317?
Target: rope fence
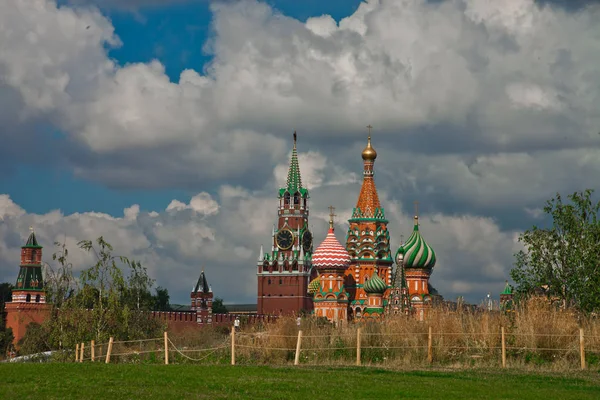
column 251, row 347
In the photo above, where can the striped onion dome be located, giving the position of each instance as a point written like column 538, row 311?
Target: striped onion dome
column 314, row 285
column 330, row 253
column 375, row 284
column 417, row 253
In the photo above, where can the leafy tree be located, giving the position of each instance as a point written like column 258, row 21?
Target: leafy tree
column 59, row 282
column 111, row 298
column 563, row 259
column 161, row 299
column 218, row 307
column 6, row 335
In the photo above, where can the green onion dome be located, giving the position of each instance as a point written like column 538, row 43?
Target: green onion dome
column 375, row 285
column 315, row 285
column 417, row 253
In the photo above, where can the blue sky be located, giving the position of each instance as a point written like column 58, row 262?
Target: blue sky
column 120, row 119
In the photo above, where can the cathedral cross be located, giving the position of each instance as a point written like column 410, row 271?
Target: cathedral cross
column 369, row 127
column 331, row 215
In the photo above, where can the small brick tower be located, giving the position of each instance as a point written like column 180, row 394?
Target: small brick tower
column 417, row 259
column 202, row 298
column 283, row 274
column 368, row 239
column 29, row 296
column 331, row 260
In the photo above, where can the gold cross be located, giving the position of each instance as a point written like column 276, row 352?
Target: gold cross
column 401, row 239
column 331, row 215
column 369, row 127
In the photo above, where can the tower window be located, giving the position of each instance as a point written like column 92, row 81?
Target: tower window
column 286, row 199
column 296, row 198
column 37, row 298
column 28, row 298
column 33, row 256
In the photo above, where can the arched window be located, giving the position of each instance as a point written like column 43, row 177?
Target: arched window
column 28, row 298
column 296, row 198
column 37, row 298
column 304, row 202
column 33, row 256
column 269, row 281
column 286, row 199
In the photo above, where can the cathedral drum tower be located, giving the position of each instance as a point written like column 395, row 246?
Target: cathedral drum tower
column 417, row 259
column 284, row 272
column 368, row 240
column 331, row 260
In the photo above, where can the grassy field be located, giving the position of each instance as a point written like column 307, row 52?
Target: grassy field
column 98, row 381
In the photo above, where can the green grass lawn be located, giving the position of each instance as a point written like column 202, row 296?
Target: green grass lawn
column 99, row 381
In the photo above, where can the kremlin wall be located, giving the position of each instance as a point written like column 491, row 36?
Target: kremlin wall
column 349, row 282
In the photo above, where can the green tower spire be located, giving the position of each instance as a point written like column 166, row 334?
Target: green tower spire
column 294, row 179
column 30, row 272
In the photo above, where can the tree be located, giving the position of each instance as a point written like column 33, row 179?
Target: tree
column 161, row 299
column 111, row 298
column 218, row 307
column 564, row 259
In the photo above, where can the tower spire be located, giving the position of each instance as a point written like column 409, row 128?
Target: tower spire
column 368, row 201
column 294, row 180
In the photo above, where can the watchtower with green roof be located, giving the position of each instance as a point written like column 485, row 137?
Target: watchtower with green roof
column 29, row 296
column 30, row 281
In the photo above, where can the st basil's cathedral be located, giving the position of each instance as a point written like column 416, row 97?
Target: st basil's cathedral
column 337, row 282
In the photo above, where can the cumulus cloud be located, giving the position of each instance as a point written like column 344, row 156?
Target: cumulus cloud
column 482, row 109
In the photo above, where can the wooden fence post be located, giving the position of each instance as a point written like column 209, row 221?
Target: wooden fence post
column 358, row 346
column 430, row 346
column 109, row 350
column 298, row 343
column 166, row 348
column 233, row 345
column 77, row 352
column 81, row 348
column 581, row 348
column 503, row 348
column 93, row 350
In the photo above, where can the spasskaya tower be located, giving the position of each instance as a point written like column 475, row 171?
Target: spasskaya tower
column 284, row 272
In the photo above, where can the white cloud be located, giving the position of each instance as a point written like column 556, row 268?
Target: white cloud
column 491, row 105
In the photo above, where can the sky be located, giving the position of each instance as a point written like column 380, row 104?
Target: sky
column 166, row 126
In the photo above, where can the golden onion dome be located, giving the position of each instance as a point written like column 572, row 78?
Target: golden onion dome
column 369, row 153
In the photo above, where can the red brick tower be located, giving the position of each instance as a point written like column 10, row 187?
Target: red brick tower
column 368, row 240
column 331, row 260
column 29, row 297
column 202, row 298
column 284, row 273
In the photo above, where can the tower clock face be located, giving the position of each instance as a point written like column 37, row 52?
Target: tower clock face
column 307, row 241
column 284, row 239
